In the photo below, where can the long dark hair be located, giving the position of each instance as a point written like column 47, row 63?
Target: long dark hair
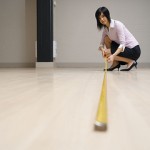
column 106, row 13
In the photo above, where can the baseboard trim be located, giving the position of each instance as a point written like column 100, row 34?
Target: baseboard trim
column 17, row 65
column 91, row 65
column 78, row 65
column 61, row 65
column 143, row 65
column 44, row 64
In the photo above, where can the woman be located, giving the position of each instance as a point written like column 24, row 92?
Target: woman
column 117, row 43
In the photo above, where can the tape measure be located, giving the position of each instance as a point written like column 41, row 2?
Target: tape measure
column 101, row 117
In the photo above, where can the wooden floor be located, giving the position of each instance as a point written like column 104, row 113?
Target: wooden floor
column 55, row 109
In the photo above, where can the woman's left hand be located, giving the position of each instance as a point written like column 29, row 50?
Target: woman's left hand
column 110, row 58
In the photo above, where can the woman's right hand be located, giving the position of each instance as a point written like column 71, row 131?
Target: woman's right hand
column 103, row 51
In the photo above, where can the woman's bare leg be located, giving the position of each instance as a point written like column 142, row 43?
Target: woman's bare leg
column 107, row 42
column 127, row 60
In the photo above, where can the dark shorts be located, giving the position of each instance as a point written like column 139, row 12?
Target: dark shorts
column 131, row 53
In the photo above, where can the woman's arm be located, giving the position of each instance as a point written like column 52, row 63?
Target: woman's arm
column 120, row 29
column 121, row 38
column 112, row 57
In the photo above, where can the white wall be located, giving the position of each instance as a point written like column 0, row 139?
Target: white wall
column 17, row 32
column 76, row 33
column 74, row 30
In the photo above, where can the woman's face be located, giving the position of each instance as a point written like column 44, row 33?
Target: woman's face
column 103, row 19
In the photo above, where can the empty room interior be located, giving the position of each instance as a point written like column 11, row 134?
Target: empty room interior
column 54, row 80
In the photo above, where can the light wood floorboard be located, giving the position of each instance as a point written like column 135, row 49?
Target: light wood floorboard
column 55, row 109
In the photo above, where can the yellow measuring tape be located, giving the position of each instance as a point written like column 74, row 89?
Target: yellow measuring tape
column 101, row 118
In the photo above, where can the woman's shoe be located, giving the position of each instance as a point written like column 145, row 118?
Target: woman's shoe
column 128, row 69
column 112, row 68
